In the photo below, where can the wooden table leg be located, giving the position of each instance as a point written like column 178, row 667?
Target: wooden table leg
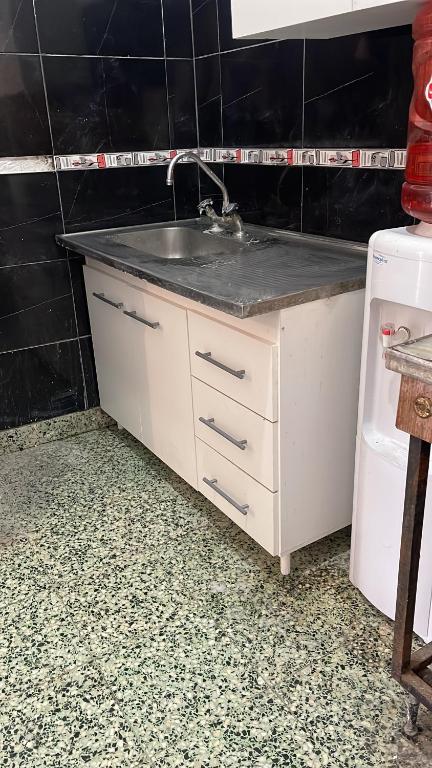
column 412, row 528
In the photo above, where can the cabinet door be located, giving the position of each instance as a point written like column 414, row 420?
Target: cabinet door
column 166, row 392
column 251, row 18
column 118, row 348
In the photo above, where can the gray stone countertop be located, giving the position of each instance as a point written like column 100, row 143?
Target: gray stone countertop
column 278, row 269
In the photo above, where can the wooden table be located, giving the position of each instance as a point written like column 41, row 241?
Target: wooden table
column 413, row 361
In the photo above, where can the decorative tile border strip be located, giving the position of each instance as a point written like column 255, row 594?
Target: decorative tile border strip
column 332, row 158
column 342, row 158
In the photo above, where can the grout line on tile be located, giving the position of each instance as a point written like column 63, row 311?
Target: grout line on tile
column 241, row 48
column 220, row 73
column 107, row 56
column 170, row 125
column 196, row 91
column 40, row 346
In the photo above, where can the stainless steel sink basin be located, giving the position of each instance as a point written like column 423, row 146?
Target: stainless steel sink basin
column 177, row 243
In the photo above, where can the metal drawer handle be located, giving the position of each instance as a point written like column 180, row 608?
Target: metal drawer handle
column 211, row 424
column 134, row 316
column 243, row 508
column 102, row 297
column 208, row 356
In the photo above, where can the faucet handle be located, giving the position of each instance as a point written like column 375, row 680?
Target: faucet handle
column 208, row 202
column 227, row 210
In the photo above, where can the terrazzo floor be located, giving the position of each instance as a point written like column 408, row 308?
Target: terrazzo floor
column 139, row 627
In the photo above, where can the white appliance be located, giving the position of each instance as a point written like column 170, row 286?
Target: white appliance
column 398, row 291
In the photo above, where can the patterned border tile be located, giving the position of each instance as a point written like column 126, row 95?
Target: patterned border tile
column 342, row 158
column 379, row 159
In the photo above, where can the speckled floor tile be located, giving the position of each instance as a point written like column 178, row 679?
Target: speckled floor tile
column 31, row 435
column 67, row 720
column 140, row 627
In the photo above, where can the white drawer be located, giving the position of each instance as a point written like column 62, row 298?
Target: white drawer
column 241, row 366
column 243, row 437
column 259, row 516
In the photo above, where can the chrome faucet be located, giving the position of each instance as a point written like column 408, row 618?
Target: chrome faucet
column 230, row 219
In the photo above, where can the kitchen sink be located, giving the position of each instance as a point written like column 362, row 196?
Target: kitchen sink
column 177, row 243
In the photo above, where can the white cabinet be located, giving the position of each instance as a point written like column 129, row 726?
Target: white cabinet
column 166, row 396
column 142, row 364
column 279, row 19
column 118, row 349
column 250, row 412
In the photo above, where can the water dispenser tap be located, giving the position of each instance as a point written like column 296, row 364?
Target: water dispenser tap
column 391, row 337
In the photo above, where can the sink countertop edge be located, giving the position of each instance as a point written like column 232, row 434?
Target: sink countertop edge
column 229, row 306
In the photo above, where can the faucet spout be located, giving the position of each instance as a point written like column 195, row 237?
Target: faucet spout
column 196, row 158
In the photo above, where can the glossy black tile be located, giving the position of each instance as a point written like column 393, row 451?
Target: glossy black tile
column 36, row 305
column 40, row 383
column 121, row 104
column 358, row 89
column 115, row 198
column 101, row 27
column 17, row 27
column 182, row 107
column 205, row 27
column 227, row 42
column 76, row 92
column 266, row 195
column 136, row 101
column 351, row 204
column 29, row 218
column 186, row 191
column 209, row 101
column 262, row 90
column 89, row 371
column 79, row 294
column 177, row 27
column 24, row 128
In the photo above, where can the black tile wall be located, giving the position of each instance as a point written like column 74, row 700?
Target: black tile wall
column 17, row 27
column 181, row 103
column 262, row 95
column 40, row 383
column 136, row 103
column 345, row 92
column 95, row 28
column 186, row 191
column 30, row 216
column 351, row 204
column 78, row 116
column 107, row 77
column 358, row 90
column 115, row 198
column 205, row 27
column 209, row 101
column 24, row 128
column 267, row 196
column 177, row 27
column 36, row 305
